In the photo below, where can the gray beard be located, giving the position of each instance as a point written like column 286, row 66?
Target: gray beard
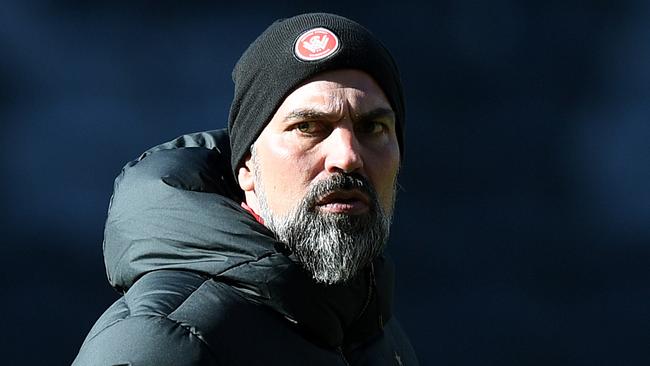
column 332, row 247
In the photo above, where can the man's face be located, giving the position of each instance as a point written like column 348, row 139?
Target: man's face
column 323, row 172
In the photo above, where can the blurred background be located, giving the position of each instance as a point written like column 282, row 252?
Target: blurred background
column 522, row 231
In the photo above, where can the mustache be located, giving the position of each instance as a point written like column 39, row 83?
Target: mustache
column 341, row 182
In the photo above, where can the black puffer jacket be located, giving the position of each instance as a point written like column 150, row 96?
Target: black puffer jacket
column 206, row 284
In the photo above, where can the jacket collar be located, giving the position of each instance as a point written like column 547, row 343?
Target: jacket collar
column 330, row 315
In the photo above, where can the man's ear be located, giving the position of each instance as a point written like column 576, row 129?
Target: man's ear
column 245, row 175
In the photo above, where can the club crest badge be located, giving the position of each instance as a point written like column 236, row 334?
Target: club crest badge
column 316, row 44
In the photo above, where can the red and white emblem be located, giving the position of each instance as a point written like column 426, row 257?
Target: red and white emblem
column 316, row 44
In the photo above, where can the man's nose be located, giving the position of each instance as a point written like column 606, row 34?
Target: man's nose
column 343, row 152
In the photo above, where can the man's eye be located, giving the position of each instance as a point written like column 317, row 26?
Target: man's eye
column 307, row 127
column 371, row 127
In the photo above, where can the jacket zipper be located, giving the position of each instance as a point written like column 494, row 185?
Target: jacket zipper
column 372, row 284
column 345, row 361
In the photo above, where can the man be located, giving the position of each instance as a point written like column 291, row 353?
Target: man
column 281, row 262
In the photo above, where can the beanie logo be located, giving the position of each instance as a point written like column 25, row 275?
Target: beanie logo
column 316, row 44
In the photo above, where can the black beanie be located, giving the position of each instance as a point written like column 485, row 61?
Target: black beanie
column 281, row 58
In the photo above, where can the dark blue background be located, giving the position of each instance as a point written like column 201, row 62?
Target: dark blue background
column 522, row 231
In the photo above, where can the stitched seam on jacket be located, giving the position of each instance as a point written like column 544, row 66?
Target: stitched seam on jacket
column 192, row 332
column 189, row 328
column 239, row 264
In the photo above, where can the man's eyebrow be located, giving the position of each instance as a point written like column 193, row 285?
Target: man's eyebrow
column 313, row 114
column 306, row 114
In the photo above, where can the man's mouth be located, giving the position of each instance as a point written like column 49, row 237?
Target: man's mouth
column 350, row 202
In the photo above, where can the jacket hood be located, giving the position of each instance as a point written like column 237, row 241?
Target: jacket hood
column 178, row 207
